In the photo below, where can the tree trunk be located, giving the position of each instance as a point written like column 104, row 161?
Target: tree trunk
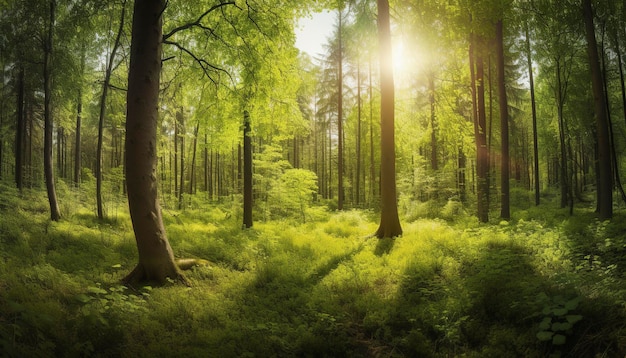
column 156, row 259
column 180, row 121
column 389, row 220
column 247, row 171
column 372, row 159
column 103, row 98
column 505, row 211
column 340, row 191
column 534, row 115
column 192, row 175
column 480, row 135
column 20, row 133
column 55, row 214
column 357, row 182
column 605, row 175
column 563, row 177
column 79, row 115
column 433, row 122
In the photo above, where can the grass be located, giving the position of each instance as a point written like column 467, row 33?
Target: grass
column 543, row 284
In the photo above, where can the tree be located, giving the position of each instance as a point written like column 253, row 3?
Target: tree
column 103, row 99
column 605, row 169
column 533, row 105
column 156, row 258
column 389, row 220
column 247, row 172
column 505, row 211
column 55, row 214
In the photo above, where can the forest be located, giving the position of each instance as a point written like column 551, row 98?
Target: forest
column 443, row 179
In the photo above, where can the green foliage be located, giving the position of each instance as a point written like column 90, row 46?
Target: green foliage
column 320, row 288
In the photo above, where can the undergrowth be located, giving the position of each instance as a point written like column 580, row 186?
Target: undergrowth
column 543, row 284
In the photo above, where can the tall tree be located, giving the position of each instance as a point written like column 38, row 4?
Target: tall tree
column 156, row 258
column 103, row 99
column 389, row 220
column 340, row 168
column 505, row 211
column 533, row 106
column 247, row 171
column 605, row 169
column 55, row 213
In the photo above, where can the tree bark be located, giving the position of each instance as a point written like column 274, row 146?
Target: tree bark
column 156, row 259
column 103, row 98
column 480, row 134
column 247, row 171
column 55, row 214
column 20, row 133
column 533, row 107
column 340, row 190
column 357, row 182
column 389, row 220
column 433, row 122
column 180, row 121
column 605, row 175
column 192, row 174
column 505, row 211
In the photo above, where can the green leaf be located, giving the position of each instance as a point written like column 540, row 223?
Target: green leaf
column 96, row 290
column 573, row 318
column 116, row 266
column 561, row 326
column 83, row 298
column 558, row 339
column 573, row 303
column 560, row 311
column 545, row 324
column 544, row 336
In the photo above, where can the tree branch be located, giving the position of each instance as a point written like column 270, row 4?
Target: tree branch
column 197, row 22
column 204, row 64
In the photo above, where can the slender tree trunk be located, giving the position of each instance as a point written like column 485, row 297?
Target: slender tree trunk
column 480, row 135
column 340, row 169
column 605, row 175
column 247, row 171
column 156, row 258
column 55, row 214
column 505, row 211
column 389, row 220
column 534, row 115
column 372, row 159
column 79, row 115
column 433, row 122
column 206, row 162
column 192, row 175
column 20, row 133
column 357, row 182
column 103, row 98
column 180, row 120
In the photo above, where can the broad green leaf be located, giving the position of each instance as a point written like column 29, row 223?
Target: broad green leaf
column 573, row 318
column 544, row 336
column 572, row 304
column 560, row 311
column 96, row 290
column 545, row 324
column 558, row 340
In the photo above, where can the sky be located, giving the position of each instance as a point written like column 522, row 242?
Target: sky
column 311, row 34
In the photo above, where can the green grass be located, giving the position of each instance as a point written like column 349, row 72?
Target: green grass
column 542, row 284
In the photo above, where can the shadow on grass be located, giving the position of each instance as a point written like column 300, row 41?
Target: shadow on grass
column 384, row 246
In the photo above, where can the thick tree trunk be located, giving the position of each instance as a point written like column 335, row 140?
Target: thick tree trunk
column 605, row 175
column 55, row 214
column 389, row 220
column 247, row 171
column 156, row 259
column 505, row 211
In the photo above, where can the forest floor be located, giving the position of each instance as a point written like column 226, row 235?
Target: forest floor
column 543, row 284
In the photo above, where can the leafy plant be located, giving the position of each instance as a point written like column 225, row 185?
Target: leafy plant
column 557, row 318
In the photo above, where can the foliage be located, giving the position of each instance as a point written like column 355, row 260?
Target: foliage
column 320, row 288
